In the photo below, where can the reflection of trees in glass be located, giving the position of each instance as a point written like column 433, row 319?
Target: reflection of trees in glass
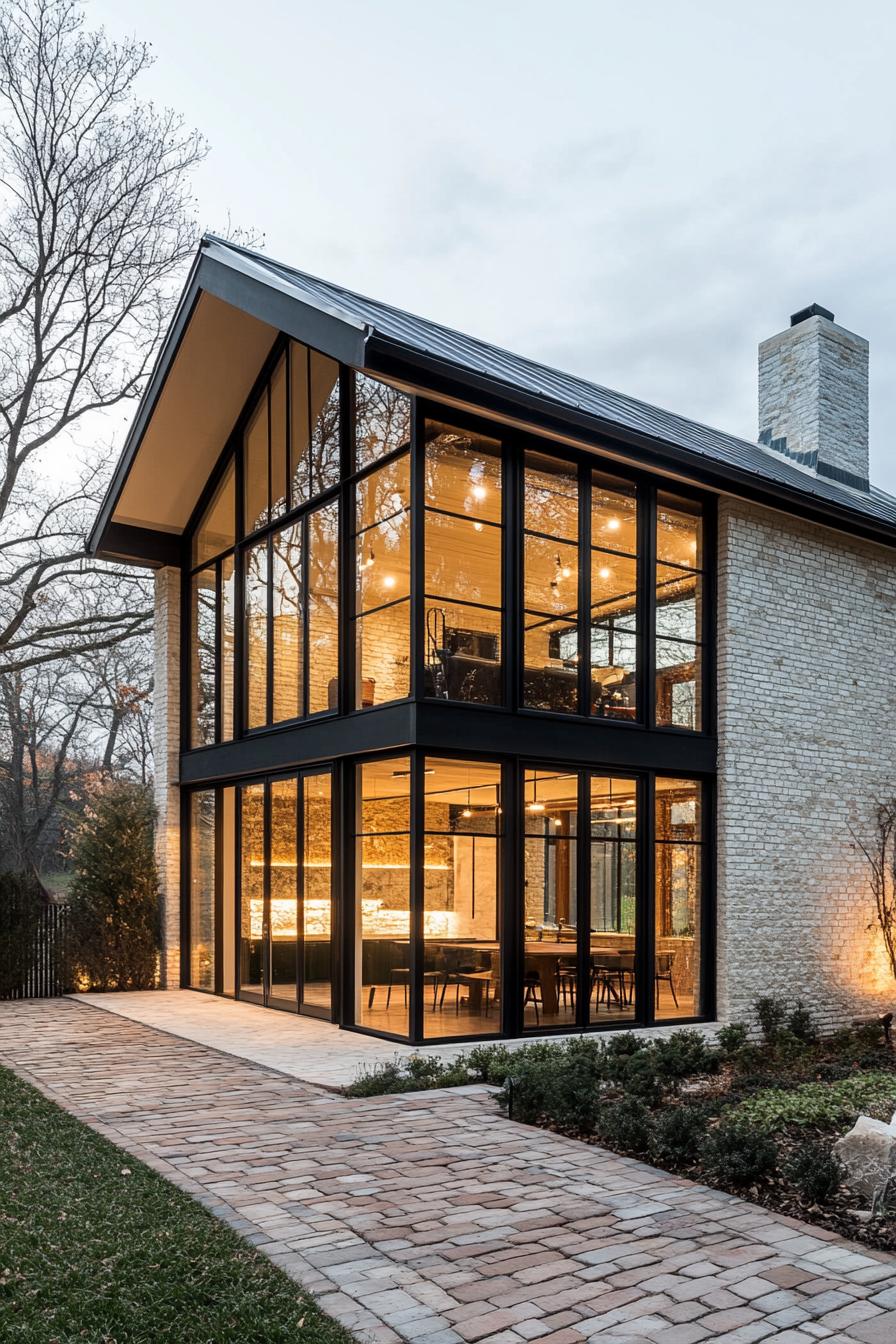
column 256, row 602
column 314, row 427
column 382, row 419
column 551, row 498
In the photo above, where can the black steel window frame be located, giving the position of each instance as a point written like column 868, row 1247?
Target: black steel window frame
column 515, row 443
column 511, row 899
column 464, row 730
column 299, row 774
column 344, row 802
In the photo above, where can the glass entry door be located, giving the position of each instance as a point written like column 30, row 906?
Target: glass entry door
column 286, row 903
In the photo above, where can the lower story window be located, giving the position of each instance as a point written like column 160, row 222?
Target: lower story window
column 678, row 902
column 202, row 889
column 488, row 897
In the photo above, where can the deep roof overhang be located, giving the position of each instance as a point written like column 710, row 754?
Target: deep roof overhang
column 236, row 302
column 226, row 322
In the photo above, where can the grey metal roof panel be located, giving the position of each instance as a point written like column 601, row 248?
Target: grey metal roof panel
column 468, row 354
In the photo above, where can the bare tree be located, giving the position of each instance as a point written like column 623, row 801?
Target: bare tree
column 96, row 220
column 880, row 854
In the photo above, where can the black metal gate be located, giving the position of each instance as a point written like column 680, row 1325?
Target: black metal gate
column 41, row 968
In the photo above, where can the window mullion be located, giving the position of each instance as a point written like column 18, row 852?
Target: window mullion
column 584, row 613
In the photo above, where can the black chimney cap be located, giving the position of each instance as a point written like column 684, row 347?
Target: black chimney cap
column 814, row 310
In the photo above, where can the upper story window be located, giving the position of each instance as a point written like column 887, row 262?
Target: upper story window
column 462, row 579
column 551, row 640
column 291, row 440
column 212, row 617
column 566, row 509
column 598, row 624
column 679, row 612
column 381, row 543
column 382, row 561
column 382, row 420
column 613, row 633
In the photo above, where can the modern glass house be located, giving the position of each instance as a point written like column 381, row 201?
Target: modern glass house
column 436, row 669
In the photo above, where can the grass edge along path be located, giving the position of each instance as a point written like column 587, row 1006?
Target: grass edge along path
column 98, row 1248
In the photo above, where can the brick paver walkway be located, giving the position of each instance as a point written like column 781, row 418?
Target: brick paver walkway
column 431, row 1218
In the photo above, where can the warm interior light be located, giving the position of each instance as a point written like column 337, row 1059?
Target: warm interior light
column 477, row 527
column 377, row 920
column 613, row 524
column 479, row 492
column 389, row 581
column 535, row 806
column 604, row 572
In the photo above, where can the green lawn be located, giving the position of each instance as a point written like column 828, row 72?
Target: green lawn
column 97, row 1248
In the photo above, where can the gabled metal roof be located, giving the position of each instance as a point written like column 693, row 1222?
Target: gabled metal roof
column 378, row 337
column 466, row 355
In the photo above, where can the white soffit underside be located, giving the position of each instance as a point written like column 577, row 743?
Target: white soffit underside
column 212, row 373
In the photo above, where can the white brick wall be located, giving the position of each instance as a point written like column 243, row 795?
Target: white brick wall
column 807, row 708
column 166, row 751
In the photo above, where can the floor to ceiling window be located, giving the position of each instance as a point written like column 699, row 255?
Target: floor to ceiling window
column 253, row 926
column 202, row 889
column 383, row 895
column 678, row 898
column 613, row 897
column 286, row 868
column 550, row 886
column 461, row 968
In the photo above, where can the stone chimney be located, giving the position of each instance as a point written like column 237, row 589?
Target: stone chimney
column 813, row 397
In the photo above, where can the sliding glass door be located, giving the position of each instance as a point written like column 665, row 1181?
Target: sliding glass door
column 286, row 900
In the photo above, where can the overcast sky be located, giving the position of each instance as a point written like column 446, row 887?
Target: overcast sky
column 637, row 192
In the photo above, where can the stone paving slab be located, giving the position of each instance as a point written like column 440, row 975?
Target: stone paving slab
column 304, row 1047
column 429, row 1217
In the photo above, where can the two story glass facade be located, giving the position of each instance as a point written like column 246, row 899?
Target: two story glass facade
column 447, row 720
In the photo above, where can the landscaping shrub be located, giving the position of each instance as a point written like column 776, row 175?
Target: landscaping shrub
column 772, row 1014
column 801, row 1024
column 863, row 1046
column 625, row 1125
column 678, row 1133
column 738, row 1154
column 114, row 932
column 375, row 1082
column 684, row 1054
column 733, row 1038
column 815, row 1172
column 560, row 1084
column 414, row 1073
column 490, row 1063
column 820, row 1104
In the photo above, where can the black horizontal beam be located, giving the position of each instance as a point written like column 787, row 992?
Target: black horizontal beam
column 319, row 739
column 449, row 729
column 139, row 545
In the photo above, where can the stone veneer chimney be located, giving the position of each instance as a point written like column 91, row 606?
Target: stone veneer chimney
column 813, row 397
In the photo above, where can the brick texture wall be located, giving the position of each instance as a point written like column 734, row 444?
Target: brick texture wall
column 166, row 750
column 807, row 719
